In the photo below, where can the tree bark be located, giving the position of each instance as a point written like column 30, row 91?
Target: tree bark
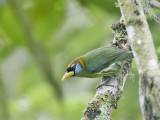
column 141, row 42
column 155, row 3
column 107, row 96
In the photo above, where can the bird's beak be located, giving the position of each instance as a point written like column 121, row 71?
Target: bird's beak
column 67, row 75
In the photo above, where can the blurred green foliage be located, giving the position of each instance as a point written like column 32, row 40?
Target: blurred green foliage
column 65, row 29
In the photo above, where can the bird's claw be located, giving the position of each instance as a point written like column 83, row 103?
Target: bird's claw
column 104, row 83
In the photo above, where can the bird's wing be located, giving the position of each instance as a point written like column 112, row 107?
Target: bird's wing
column 111, row 69
column 99, row 59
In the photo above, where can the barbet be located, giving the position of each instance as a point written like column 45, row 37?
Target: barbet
column 104, row 61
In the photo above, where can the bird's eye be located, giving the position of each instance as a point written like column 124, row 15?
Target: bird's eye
column 70, row 69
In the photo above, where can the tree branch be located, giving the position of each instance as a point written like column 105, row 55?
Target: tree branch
column 143, row 49
column 36, row 48
column 107, row 96
column 155, row 3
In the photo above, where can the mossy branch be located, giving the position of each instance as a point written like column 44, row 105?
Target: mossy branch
column 110, row 90
column 141, row 42
column 155, row 3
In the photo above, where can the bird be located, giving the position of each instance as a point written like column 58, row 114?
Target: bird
column 103, row 61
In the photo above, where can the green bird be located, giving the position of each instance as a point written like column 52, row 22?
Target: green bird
column 104, row 61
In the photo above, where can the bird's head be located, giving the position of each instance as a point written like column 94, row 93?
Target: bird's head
column 74, row 68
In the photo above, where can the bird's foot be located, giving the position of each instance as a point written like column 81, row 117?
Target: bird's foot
column 103, row 84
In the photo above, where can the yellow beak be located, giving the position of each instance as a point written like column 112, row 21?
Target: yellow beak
column 67, row 75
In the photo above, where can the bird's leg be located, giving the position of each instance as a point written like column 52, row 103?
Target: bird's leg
column 112, row 71
column 104, row 82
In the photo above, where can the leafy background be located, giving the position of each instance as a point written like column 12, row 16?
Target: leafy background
column 34, row 56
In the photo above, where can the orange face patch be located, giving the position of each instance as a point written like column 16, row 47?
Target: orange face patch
column 79, row 59
column 82, row 62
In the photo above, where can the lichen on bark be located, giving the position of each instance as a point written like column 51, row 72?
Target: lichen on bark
column 141, row 42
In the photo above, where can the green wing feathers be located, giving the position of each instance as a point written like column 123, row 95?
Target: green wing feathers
column 101, row 58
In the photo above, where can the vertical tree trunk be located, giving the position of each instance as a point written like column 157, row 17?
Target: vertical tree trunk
column 143, row 49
